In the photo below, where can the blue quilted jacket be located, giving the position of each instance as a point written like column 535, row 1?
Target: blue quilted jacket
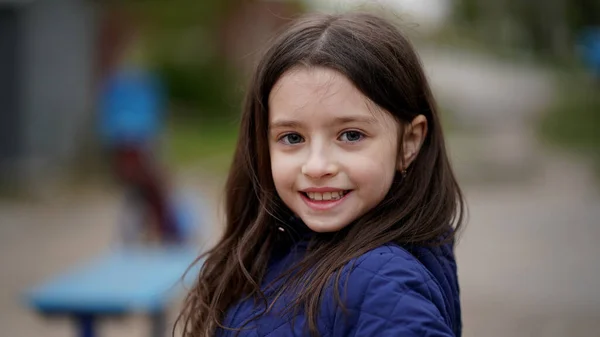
column 391, row 291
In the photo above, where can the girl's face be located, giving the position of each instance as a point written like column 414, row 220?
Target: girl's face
column 333, row 153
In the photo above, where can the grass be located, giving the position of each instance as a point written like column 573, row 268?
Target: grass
column 573, row 121
column 207, row 143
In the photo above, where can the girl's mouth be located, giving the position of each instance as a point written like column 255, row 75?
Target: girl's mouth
column 323, row 201
column 325, row 196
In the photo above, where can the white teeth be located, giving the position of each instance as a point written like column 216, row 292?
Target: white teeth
column 325, row 196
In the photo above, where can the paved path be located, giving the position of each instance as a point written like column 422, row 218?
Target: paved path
column 528, row 258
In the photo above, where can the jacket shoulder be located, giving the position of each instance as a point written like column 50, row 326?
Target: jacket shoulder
column 390, row 263
column 389, row 256
column 387, row 291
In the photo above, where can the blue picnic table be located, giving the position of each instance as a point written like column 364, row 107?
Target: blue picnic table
column 126, row 280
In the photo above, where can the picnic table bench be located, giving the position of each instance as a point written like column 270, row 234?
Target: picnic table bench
column 123, row 281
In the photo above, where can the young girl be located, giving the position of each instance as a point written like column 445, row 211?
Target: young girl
column 341, row 200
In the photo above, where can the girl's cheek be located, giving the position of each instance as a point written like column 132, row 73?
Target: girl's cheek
column 283, row 168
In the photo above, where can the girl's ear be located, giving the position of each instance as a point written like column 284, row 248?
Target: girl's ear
column 412, row 139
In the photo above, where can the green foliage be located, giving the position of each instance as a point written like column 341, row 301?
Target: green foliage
column 206, row 90
column 466, row 11
column 210, row 143
column 548, row 29
column 574, row 119
column 173, row 14
column 180, row 39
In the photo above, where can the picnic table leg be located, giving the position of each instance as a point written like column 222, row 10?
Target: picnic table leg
column 159, row 324
column 86, row 325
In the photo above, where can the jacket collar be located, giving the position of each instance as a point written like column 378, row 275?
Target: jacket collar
column 294, row 229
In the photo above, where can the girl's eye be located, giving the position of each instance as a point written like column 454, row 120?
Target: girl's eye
column 351, row 136
column 291, row 139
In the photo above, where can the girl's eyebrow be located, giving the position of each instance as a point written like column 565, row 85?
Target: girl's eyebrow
column 289, row 123
column 285, row 123
column 355, row 119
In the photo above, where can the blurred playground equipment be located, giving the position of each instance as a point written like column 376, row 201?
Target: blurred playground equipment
column 132, row 277
column 128, row 280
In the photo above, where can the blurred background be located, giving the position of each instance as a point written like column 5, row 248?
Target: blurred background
column 518, row 83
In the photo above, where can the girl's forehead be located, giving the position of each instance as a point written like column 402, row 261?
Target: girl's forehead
column 317, row 93
column 312, row 82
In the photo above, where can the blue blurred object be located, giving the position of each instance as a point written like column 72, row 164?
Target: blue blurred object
column 128, row 280
column 189, row 208
column 590, row 43
column 190, row 211
column 132, row 107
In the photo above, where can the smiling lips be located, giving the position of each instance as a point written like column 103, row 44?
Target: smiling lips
column 324, row 198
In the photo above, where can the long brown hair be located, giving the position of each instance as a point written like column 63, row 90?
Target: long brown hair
column 420, row 207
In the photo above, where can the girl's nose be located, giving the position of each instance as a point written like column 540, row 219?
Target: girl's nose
column 318, row 165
